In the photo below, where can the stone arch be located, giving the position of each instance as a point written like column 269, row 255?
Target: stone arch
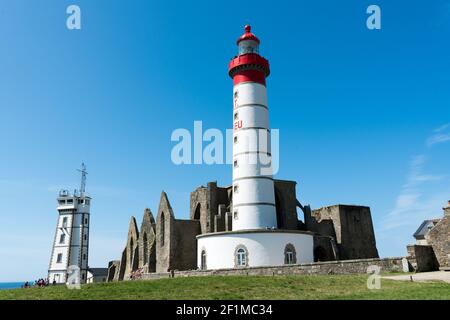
column 130, row 252
column 241, row 256
column 162, row 229
column 197, row 212
column 145, row 245
column 147, row 241
column 290, row 254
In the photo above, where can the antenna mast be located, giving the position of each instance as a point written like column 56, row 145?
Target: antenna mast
column 83, row 179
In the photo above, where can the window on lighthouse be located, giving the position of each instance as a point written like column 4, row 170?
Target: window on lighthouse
column 241, row 257
column 203, row 260
column 64, row 222
column 290, row 254
column 248, row 46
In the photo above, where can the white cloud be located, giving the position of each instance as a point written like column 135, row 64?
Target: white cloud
column 438, row 138
column 442, row 128
column 441, row 135
column 412, row 204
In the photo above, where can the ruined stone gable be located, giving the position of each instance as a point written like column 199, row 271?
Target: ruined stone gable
column 147, row 243
column 130, row 255
column 164, row 227
column 176, row 243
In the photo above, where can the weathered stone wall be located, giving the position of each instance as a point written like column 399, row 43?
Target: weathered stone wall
column 147, row 243
column 439, row 239
column 204, row 203
column 176, row 242
column 185, row 245
column 351, row 226
column 113, row 270
column 324, row 249
column 130, row 255
column 164, row 235
column 422, row 258
column 321, row 224
column 332, row 267
column 286, row 204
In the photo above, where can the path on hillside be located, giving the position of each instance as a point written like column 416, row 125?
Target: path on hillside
column 423, row 276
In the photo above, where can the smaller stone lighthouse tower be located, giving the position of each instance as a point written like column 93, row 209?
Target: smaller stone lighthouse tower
column 71, row 244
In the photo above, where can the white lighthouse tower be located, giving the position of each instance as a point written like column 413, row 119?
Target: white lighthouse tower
column 255, row 239
column 71, row 244
column 253, row 190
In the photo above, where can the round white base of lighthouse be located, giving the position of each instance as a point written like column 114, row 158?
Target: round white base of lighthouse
column 253, row 248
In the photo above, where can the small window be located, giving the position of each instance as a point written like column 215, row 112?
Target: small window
column 236, row 94
column 86, row 220
column 241, row 257
column 59, row 258
column 84, row 256
column 203, row 260
column 62, row 238
column 236, row 188
column 80, row 201
column 85, row 237
column 64, row 222
column 236, row 115
column 235, row 139
column 62, row 202
column 235, row 164
column 235, row 215
column 290, row 256
column 69, row 200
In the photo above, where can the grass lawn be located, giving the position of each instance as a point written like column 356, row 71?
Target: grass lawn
column 242, row 287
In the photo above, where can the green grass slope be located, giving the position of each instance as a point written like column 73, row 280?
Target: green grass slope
column 242, row 287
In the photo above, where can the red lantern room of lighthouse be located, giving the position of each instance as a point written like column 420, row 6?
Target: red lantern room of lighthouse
column 248, row 65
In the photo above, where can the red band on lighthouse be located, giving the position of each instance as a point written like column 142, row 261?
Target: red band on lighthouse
column 249, row 67
column 249, row 76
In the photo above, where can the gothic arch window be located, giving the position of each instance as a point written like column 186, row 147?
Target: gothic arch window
column 197, row 212
column 203, row 265
column 145, row 247
column 290, row 255
column 130, row 252
column 241, row 257
column 162, row 229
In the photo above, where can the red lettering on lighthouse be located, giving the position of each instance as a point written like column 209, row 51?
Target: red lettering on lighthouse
column 238, row 124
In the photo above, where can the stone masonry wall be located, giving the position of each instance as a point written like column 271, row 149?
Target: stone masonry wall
column 422, row 258
column 324, row 268
column 439, row 239
column 351, row 226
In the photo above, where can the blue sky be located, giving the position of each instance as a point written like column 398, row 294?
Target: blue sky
column 362, row 114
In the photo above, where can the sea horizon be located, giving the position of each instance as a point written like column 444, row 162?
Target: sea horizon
column 11, row 285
